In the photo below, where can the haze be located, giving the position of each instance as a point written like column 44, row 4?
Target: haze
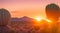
column 30, row 8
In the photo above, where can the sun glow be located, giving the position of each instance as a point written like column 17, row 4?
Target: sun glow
column 48, row 20
column 38, row 18
column 41, row 18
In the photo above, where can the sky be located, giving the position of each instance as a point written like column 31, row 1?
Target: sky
column 30, row 8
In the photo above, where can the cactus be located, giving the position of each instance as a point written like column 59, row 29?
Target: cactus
column 4, row 17
column 52, row 12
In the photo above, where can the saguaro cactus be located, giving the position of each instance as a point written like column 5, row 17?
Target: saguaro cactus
column 52, row 12
column 4, row 17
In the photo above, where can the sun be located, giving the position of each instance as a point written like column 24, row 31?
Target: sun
column 38, row 18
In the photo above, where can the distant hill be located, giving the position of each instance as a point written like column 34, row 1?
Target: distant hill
column 25, row 18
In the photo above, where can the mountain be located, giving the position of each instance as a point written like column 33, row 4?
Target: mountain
column 25, row 18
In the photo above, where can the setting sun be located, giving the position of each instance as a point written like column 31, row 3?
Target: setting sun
column 38, row 18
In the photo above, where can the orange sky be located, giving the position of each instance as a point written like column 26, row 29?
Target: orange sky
column 30, row 8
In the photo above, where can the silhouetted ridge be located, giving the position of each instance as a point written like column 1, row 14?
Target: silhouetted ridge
column 25, row 18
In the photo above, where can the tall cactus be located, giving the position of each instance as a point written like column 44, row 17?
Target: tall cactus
column 52, row 12
column 4, row 17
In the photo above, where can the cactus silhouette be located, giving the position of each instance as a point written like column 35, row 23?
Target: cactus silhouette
column 52, row 12
column 4, row 19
